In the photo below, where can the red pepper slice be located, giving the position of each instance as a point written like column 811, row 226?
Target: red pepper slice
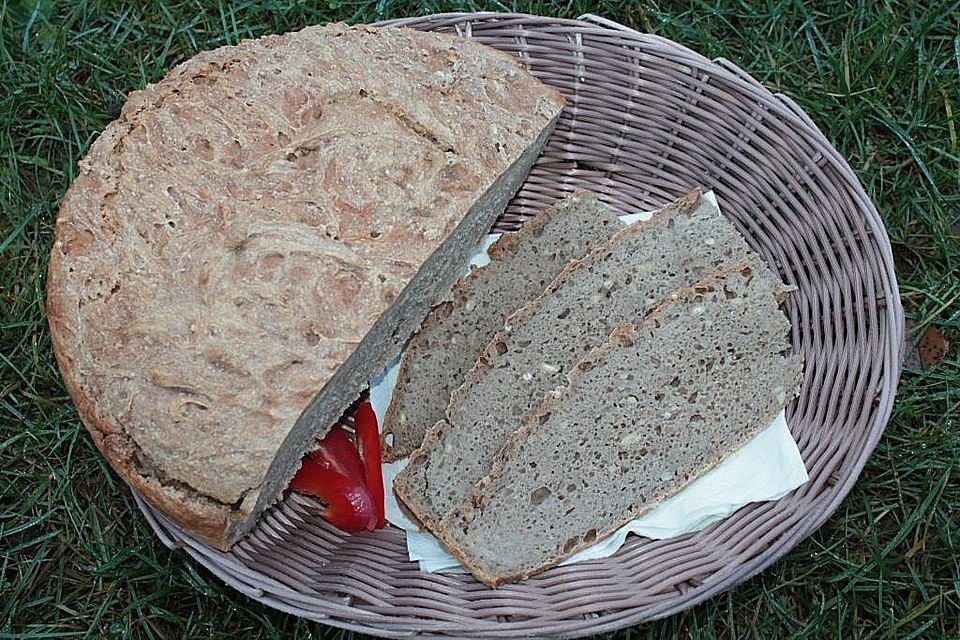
column 368, row 441
column 349, row 505
column 338, row 449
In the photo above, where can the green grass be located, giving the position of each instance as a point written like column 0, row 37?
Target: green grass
column 881, row 80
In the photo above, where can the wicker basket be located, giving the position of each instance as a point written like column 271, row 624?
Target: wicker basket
column 646, row 120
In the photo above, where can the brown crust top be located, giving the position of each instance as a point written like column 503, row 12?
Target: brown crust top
column 232, row 236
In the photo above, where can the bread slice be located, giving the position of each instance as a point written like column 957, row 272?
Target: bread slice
column 618, row 282
column 455, row 332
column 259, row 233
column 640, row 417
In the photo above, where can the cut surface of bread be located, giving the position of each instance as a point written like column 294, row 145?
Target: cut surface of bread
column 454, row 333
column 259, row 233
column 618, row 282
column 640, row 417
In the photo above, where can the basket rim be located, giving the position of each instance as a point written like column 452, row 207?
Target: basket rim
column 271, row 592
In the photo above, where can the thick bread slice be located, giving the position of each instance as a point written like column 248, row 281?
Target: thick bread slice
column 259, row 233
column 455, row 332
column 641, row 417
column 616, row 283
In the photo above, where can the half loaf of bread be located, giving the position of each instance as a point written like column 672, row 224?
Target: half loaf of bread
column 640, row 417
column 454, row 334
column 618, row 282
column 258, row 234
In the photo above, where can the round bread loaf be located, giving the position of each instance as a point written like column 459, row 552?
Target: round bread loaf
column 257, row 235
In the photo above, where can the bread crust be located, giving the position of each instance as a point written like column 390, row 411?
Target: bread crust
column 182, row 400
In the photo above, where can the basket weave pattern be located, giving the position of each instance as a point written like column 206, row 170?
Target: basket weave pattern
column 646, row 121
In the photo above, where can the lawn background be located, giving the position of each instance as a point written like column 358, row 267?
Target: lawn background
column 879, row 78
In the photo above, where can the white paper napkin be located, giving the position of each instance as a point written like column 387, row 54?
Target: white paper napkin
column 766, row 468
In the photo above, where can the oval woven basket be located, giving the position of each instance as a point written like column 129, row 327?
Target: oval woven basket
column 646, row 121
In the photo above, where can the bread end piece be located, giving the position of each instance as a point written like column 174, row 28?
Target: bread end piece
column 222, row 521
